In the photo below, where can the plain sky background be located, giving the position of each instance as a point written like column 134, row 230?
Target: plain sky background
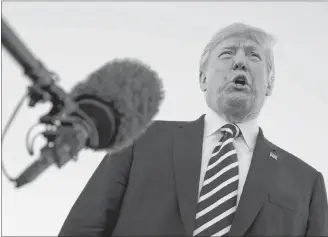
column 73, row 39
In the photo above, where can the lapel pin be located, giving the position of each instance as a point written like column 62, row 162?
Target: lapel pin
column 273, row 156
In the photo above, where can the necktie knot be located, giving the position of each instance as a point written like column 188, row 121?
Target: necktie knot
column 231, row 129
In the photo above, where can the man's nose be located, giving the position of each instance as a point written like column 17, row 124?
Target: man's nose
column 240, row 62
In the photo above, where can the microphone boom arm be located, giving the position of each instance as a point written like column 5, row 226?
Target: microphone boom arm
column 32, row 67
column 65, row 115
column 44, row 87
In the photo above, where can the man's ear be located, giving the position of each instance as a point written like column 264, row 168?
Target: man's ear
column 202, row 81
column 269, row 88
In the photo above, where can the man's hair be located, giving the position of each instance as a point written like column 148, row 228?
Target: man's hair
column 261, row 37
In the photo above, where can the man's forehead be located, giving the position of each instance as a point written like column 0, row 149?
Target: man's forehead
column 239, row 42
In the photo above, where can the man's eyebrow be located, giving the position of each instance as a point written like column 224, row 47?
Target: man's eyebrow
column 230, row 47
column 247, row 47
column 251, row 47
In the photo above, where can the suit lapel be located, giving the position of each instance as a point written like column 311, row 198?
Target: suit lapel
column 257, row 186
column 188, row 141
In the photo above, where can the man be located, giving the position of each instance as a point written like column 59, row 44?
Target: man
column 217, row 175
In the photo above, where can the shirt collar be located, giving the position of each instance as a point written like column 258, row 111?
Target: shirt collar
column 249, row 129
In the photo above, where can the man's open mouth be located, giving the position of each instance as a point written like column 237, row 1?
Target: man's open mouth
column 240, row 80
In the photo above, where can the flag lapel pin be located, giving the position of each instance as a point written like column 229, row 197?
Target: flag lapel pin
column 274, row 156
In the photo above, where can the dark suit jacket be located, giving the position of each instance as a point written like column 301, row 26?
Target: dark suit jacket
column 151, row 189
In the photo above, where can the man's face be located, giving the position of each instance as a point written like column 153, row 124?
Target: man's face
column 235, row 79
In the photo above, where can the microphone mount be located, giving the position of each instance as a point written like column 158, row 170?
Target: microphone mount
column 64, row 117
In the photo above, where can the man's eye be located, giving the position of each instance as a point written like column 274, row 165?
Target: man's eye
column 255, row 55
column 225, row 53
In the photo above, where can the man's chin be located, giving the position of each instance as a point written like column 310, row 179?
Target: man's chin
column 235, row 108
column 238, row 102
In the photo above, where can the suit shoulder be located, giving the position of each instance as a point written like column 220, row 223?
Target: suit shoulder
column 160, row 128
column 295, row 162
column 158, row 125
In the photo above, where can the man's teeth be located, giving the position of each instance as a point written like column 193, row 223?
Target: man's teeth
column 240, row 83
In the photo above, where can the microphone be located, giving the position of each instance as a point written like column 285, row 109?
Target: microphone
column 116, row 103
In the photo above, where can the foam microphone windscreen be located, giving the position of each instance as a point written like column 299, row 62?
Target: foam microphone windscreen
column 133, row 91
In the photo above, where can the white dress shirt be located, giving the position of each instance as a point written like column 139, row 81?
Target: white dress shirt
column 244, row 145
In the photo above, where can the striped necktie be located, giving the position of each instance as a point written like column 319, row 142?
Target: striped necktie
column 217, row 202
